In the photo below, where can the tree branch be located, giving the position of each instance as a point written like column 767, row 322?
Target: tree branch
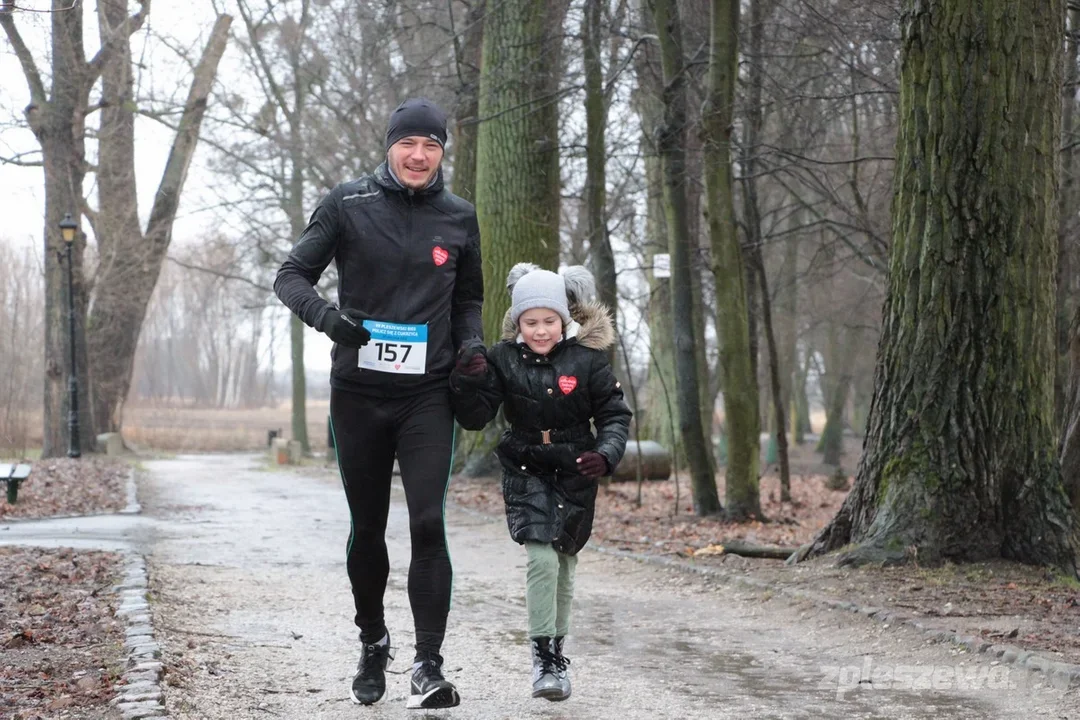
column 257, row 48
column 119, row 36
column 220, row 274
column 26, row 60
column 167, row 198
column 17, row 159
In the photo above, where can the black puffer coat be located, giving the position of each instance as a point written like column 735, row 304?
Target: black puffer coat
column 554, row 395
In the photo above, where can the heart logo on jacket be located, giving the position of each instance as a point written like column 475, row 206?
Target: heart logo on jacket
column 567, row 383
column 440, row 256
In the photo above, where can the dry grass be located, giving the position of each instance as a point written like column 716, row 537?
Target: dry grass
column 217, row 430
column 192, row 429
column 179, row 428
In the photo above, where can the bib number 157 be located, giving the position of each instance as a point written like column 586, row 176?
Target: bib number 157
column 395, row 348
column 393, row 352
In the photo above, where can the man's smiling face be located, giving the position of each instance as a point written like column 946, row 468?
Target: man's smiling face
column 415, row 160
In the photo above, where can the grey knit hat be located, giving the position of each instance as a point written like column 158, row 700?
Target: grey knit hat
column 539, row 289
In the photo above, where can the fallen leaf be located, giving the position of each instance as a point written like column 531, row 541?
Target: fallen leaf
column 61, row 702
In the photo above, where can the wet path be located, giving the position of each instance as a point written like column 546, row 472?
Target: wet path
column 252, row 605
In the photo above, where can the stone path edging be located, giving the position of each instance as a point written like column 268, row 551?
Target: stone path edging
column 140, row 695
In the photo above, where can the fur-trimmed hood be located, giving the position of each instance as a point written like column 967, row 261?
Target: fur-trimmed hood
column 591, row 326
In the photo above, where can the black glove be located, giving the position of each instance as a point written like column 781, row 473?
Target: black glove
column 592, row 465
column 345, row 327
column 472, row 362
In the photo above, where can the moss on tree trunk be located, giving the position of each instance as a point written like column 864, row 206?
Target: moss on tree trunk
column 960, row 460
column 517, row 153
column 738, row 377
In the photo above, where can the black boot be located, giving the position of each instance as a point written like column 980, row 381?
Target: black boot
column 545, row 669
column 369, row 683
column 563, row 664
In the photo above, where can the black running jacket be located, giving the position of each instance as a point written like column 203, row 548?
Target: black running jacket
column 403, row 256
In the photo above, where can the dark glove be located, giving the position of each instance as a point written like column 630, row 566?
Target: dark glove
column 472, row 362
column 345, row 327
column 592, row 465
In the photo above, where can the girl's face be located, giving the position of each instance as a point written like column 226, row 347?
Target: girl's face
column 541, row 329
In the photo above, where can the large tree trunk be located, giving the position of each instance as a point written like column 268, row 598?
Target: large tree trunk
column 754, row 124
column 1070, row 437
column 661, row 416
column 738, row 381
column 959, row 460
column 517, row 166
column 467, row 57
column 601, row 257
column 517, row 161
column 659, row 422
column 1068, row 207
column 473, row 448
column 130, row 262
column 708, row 381
column 671, row 146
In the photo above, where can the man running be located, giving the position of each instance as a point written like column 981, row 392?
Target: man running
column 410, row 288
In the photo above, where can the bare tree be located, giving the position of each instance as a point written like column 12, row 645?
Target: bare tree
column 57, row 117
column 130, row 259
column 672, row 148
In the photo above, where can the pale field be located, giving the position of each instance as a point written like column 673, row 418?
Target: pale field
column 193, row 429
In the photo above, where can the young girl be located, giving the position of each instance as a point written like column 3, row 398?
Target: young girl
column 551, row 375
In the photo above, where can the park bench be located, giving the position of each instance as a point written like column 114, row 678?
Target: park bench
column 13, row 475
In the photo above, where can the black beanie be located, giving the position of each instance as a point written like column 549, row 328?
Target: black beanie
column 416, row 116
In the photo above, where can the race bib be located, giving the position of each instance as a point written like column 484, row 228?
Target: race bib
column 395, row 348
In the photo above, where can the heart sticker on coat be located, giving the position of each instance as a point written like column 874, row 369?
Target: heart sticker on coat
column 567, row 383
column 440, row 255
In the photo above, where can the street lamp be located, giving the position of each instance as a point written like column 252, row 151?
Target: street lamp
column 68, row 227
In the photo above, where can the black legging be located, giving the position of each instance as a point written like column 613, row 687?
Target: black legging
column 368, row 432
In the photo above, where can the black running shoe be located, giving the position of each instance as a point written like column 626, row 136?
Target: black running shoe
column 369, row 683
column 429, row 689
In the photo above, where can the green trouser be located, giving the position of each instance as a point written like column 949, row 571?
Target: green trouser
column 549, row 590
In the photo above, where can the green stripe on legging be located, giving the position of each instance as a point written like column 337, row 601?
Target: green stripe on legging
column 337, row 458
column 446, row 540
